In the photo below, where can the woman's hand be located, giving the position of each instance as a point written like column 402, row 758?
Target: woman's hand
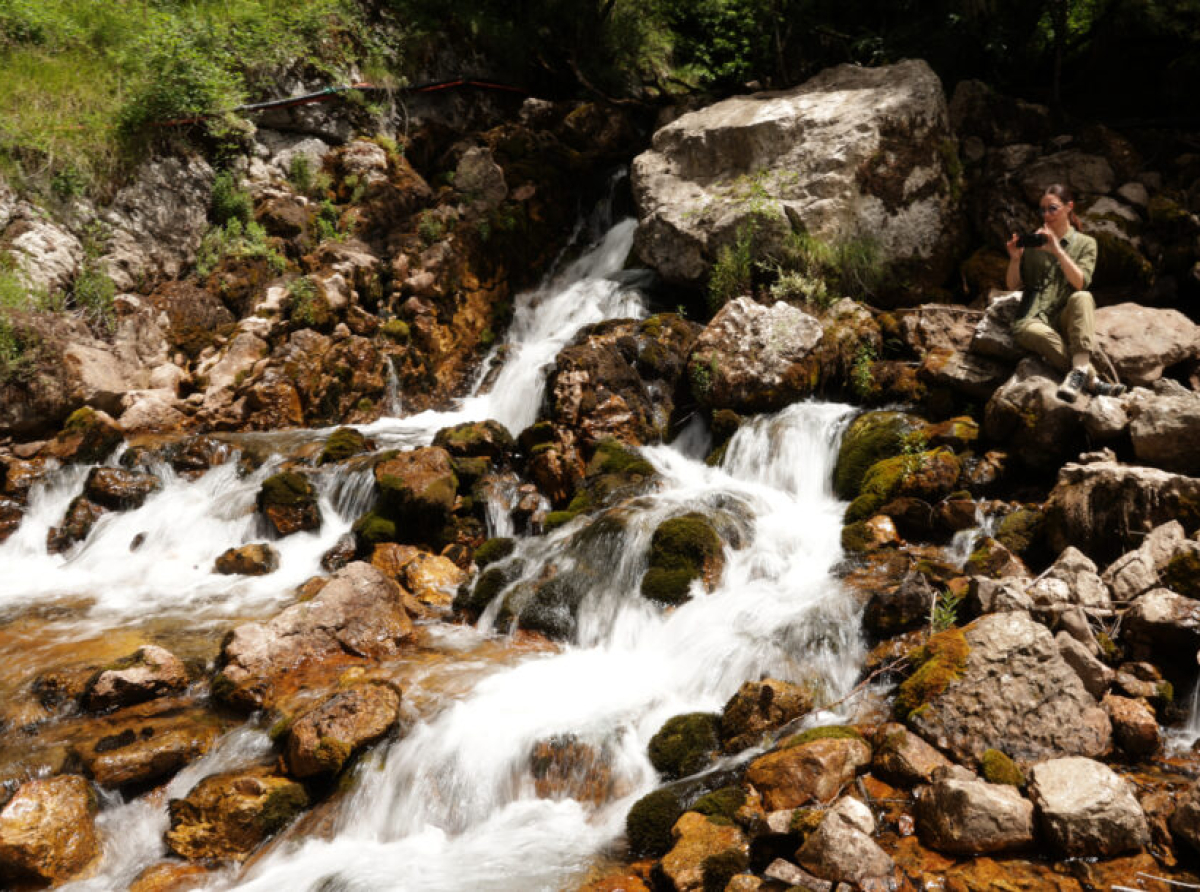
column 1014, row 253
column 1050, row 244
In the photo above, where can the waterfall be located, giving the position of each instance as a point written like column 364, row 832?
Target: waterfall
column 452, row 805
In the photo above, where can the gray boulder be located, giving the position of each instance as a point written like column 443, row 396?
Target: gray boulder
column 750, row 357
column 1161, row 625
column 853, row 152
column 1086, row 810
column 1136, row 572
column 156, row 222
column 1096, row 677
column 973, row 817
column 1015, row 693
column 1108, row 507
column 841, row 850
column 1165, row 427
column 1142, row 341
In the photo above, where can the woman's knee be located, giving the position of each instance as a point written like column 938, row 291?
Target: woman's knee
column 1080, row 300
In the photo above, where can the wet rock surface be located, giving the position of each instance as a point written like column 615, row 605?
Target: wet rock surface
column 321, row 741
column 47, row 831
column 227, row 816
column 358, row 614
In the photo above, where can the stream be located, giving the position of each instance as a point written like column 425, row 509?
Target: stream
column 452, row 803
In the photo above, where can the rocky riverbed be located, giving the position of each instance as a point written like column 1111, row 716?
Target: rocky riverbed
column 413, row 530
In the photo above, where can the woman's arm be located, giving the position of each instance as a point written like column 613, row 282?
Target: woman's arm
column 1012, row 275
column 1070, row 269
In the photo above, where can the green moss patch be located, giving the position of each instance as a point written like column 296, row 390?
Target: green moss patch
column 494, row 549
column 1182, row 573
column 287, row 488
column 1000, row 769
column 924, row 475
column 724, row 803
column 685, row 744
column 828, row 732
column 372, row 529
column 871, row 437
column 937, row 664
column 679, row 551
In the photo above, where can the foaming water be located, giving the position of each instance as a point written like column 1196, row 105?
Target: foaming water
column 591, row 289
column 132, row 832
column 453, row 804
column 159, row 557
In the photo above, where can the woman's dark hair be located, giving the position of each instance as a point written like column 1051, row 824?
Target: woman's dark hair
column 1063, row 194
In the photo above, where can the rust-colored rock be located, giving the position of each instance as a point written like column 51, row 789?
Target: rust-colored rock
column 77, row 523
column 47, row 830
column 118, row 489
column 321, row 741
column 759, row 707
column 1135, row 728
column 131, row 749
column 697, row 839
column 169, row 876
column 811, row 772
column 257, row 559
column 564, row 767
column 227, row 816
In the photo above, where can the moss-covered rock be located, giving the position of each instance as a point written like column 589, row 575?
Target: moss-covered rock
column 998, row 768
column 1182, row 573
column 1023, row 533
column 722, row 803
column 552, row 607
column 936, row 664
column 649, row 822
column 871, row 437
column 372, row 529
column 826, row 732
column 928, row 475
column 494, row 549
column 478, row 439
column 87, row 437
column 342, row 444
column 288, row 501
column 229, row 815
column 396, row 330
column 1119, row 262
column 487, row 586
column 685, row 744
column 682, row 549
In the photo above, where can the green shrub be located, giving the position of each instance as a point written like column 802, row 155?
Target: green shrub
column 229, row 202
column 238, row 242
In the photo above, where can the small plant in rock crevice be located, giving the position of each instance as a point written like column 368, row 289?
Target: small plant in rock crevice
column 862, row 380
column 943, row 612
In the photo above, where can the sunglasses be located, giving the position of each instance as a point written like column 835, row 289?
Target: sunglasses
column 1051, row 209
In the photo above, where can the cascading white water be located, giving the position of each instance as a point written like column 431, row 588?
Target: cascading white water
column 452, row 806
column 187, row 524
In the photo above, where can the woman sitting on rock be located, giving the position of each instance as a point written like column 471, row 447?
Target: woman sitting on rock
column 1055, row 305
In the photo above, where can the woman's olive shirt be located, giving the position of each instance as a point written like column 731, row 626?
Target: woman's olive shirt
column 1046, row 285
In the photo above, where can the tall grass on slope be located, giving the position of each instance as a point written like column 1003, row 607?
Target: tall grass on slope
column 85, row 81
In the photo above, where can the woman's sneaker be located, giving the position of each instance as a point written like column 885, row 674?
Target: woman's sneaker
column 1096, row 387
column 1072, row 384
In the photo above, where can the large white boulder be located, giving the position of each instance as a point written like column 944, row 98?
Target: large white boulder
column 852, row 153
